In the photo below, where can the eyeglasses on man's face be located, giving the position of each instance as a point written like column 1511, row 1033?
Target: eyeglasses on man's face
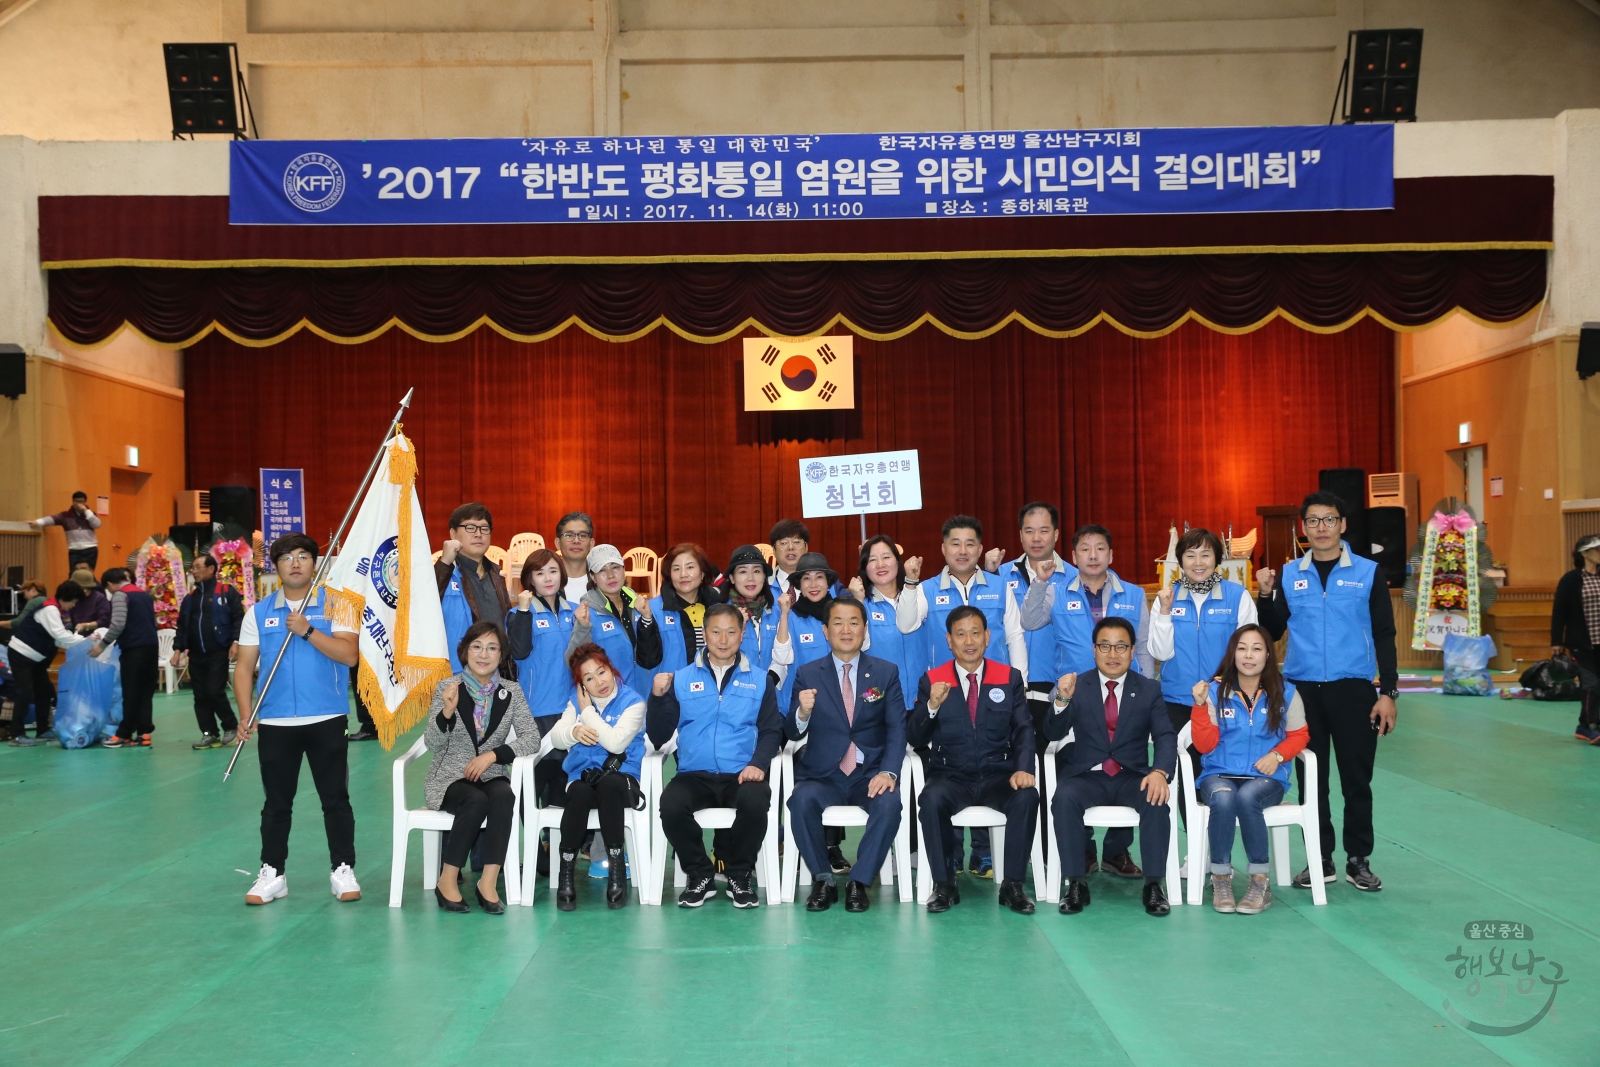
column 1120, row 649
column 577, row 535
column 1326, row 522
column 473, row 528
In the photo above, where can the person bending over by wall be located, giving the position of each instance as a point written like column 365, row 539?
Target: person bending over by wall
column 680, row 610
column 470, row 733
column 617, row 619
column 602, row 730
column 1575, row 629
column 724, row 710
column 1249, row 725
column 34, row 640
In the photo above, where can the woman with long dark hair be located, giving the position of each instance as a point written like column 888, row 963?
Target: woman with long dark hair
column 680, row 610
column 1248, row 724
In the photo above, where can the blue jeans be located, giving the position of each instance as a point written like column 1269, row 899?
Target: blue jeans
column 1242, row 801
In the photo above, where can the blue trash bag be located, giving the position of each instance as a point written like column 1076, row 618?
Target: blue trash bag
column 1466, row 663
column 88, row 696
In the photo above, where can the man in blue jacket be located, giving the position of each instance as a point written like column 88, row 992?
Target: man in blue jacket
column 848, row 708
column 724, row 710
column 207, row 640
column 972, row 714
column 1114, row 715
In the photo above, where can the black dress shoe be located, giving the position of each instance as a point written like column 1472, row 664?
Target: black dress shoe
column 836, row 860
column 855, row 896
column 1155, row 901
column 944, row 896
column 362, row 735
column 493, row 907
column 1074, row 896
column 824, row 894
column 446, row 904
column 1014, row 896
column 1122, row 866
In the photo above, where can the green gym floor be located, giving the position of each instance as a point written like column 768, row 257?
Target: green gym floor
column 126, row 939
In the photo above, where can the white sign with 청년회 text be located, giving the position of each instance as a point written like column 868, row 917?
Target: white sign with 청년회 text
column 862, row 484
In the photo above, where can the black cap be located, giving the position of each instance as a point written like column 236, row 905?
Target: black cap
column 747, row 554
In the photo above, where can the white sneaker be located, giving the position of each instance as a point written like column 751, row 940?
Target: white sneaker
column 1183, row 869
column 270, row 885
column 344, row 884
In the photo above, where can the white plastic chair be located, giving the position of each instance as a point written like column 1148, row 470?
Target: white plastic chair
column 635, row 831
column 1279, row 819
column 165, row 639
column 897, row 862
column 978, row 815
column 766, row 868
column 435, row 824
column 1110, row 815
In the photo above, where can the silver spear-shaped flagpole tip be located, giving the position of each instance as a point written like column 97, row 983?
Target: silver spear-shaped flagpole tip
column 406, row 403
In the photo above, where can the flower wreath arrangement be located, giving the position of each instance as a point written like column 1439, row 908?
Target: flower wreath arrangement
column 159, row 572
column 236, row 567
column 1447, row 570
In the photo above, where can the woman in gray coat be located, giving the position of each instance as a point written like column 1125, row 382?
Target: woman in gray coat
column 470, row 733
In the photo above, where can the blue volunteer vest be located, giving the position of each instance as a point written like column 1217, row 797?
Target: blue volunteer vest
column 542, row 673
column 1200, row 635
column 908, row 652
column 1041, row 642
column 759, row 637
column 1330, row 630
column 457, row 616
column 607, row 631
column 582, row 757
column 674, row 646
column 717, row 731
column 1244, row 737
column 307, row 683
column 988, row 596
column 809, row 639
column 1074, row 624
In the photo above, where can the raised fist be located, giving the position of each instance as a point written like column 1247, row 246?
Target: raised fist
column 448, row 550
column 1266, row 577
column 913, row 568
column 858, row 589
column 1164, row 598
column 1066, row 685
column 808, row 701
column 451, row 695
column 936, row 694
column 644, row 609
column 525, row 599
column 1045, row 568
column 580, row 614
column 993, row 558
column 1201, row 691
column 662, row 684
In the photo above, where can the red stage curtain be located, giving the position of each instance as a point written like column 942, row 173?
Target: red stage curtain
column 713, row 301
column 647, row 436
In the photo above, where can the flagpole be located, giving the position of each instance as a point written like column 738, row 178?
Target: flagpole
column 322, row 571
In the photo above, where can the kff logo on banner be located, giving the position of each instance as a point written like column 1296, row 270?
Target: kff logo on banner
column 799, row 375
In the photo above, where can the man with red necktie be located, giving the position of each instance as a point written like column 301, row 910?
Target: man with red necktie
column 1114, row 715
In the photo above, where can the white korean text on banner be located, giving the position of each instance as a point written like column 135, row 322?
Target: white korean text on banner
column 862, row 484
column 799, row 375
column 813, row 176
column 283, row 505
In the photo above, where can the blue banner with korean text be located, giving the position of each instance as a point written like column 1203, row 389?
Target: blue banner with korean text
column 823, row 176
column 283, row 505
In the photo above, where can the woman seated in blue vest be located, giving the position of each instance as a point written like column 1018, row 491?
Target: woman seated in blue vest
column 1192, row 622
column 470, row 733
column 602, row 730
column 1249, row 725
column 749, row 588
column 618, row 619
column 879, row 583
column 680, row 610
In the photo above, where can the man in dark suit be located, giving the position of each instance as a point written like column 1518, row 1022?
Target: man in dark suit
column 1114, row 717
column 849, row 706
column 980, row 751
